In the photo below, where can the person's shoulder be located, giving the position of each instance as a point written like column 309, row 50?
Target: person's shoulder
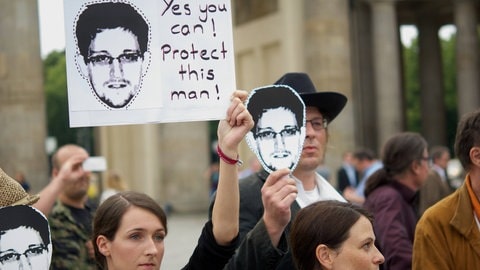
column 327, row 191
column 255, row 180
column 443, row 209
column 384, row 193
column 59, row 209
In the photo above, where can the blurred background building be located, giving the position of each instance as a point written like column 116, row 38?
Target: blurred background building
column 349, row 46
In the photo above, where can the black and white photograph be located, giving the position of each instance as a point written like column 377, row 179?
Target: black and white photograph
column 24, row 239
column 148, row 61
column 279, row 131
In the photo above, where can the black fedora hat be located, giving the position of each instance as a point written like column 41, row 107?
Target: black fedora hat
column 330, row 104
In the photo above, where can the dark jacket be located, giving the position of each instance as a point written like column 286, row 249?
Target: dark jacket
column 394, row 208
column 251, row 212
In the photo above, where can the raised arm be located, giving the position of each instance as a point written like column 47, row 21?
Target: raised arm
column 231, row 131
column 50, row 193
column 263, row 247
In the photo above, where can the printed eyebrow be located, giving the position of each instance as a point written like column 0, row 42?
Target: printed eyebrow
column 7, row 251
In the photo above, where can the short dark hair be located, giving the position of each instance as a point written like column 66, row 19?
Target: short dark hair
column 109, row 215
column 271, row 98
column 30, row 218
column 468, row 136
column 398, row 153
column 364, row 154
column 323, row 222
column 99, row 16
column 437, row 151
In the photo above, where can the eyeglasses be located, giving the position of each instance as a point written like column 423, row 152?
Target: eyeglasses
column 102, row 59
column 11, row 256
column 317, row 123
column 425, row 158
column 270, row 134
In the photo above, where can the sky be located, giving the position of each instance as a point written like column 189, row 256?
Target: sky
column 52, row 30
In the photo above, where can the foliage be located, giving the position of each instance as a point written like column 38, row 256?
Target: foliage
column 412, row 86
column 55, row 85
column 450, row 82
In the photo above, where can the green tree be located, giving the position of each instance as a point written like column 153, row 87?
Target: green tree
column 55, row 85
column 412, row 87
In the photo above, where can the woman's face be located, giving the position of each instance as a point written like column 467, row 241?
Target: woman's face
column 138, row 242
column 359, row 250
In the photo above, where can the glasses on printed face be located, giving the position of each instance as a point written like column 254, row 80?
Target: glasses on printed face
column 317, row 123
column 270, row 134
column 104, row 59
column 10, row 256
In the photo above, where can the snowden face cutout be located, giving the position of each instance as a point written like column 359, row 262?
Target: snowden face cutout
column 278, row 139
column 23, row 248
column 115, row 68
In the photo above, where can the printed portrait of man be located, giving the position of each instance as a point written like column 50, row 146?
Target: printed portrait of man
column 113, row 51
column 24, row 239
column 279, row 131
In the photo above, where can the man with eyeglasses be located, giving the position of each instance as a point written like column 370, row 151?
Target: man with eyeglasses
column 24, row 239
column 278, row 133
column 264, row 230
column 112, row 39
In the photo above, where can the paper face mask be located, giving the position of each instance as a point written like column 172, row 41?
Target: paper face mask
column 279, row 131
column 24, row 238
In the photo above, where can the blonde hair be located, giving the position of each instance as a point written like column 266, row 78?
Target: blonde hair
column 115, row 181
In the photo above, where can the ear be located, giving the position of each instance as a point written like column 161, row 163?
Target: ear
column 81, row 65
column 475, row 156
column 103, row 245
column 416, row 166
column 324, row 256
column 251, row 142
column 55, row 172
column 145, row 62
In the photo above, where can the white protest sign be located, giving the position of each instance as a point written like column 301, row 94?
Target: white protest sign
column 148, row 61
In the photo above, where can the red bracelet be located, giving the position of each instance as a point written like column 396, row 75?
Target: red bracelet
column 228, row 160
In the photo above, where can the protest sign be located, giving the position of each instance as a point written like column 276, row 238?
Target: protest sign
column 148, row 61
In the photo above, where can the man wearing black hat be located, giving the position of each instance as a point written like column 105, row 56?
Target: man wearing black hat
column 265, row 226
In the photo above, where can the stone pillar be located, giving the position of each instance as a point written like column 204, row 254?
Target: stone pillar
column 467, row 56
column 327, row 57
column 364, row 97
column 185, row 158
column 387, row 67
column 22, row 101
column 432, row 108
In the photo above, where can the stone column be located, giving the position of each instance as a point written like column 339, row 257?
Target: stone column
column 387, row 77
column 467, row 56
column 364, row 98
column 434, row 127
column 22, row 101
column 185, row 158
column 327, row 57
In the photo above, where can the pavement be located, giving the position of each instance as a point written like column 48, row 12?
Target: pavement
column 183, row 232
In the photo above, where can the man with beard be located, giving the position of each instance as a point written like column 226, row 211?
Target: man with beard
column 64, row 200
column 258, row 225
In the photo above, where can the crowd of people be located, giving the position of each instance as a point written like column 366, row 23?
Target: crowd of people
column 379, row 216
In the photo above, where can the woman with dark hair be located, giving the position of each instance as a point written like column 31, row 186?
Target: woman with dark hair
column 391, row 196
column 129, row 227
column 334, row 235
